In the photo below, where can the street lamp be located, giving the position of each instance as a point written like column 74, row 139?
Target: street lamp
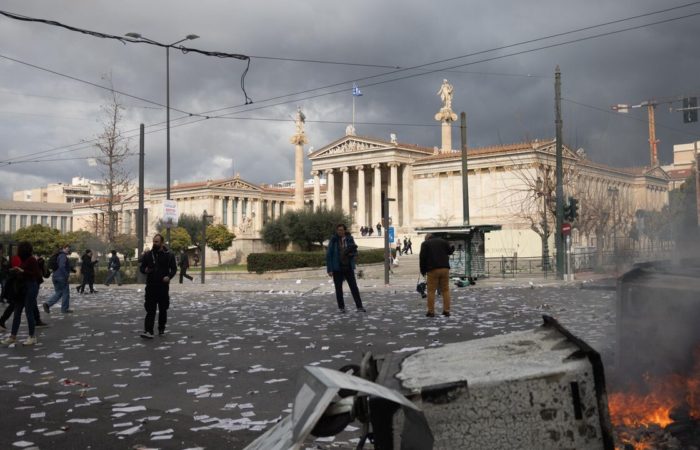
column 189, row 37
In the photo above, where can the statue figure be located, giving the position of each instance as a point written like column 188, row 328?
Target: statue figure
column 445, row 94
column 300, row 120
column 350, row 130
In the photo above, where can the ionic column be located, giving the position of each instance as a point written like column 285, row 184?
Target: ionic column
column 317, row 189
column 330, row 189
column 394, row 193
column 360, row 213
column 258, row 221
column 345, row 193
column 239, row 211
column 406, row 196
column 376, row 195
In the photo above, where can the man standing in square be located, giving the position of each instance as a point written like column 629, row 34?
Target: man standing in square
column 160, row 267
column 435, row 265
column 340, row 264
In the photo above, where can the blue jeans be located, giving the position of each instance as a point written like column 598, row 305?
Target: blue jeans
column 62, row 293
column 28, row 306
column 112, row 275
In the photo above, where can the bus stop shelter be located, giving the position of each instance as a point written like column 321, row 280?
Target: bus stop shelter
column 468, row 261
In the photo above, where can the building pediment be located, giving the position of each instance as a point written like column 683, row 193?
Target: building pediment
column 657, row 172
column 350, row 144
column 236, row 183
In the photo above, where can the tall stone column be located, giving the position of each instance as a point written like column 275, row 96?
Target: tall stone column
column 299, row 139
column 239, row 211
column 407, row 196
column 330, row 189
column 360, row 213
column 394, row 193
column 317, row 189
column 258, row 221
column 376, row 195
column 345, row 193
column 446, row 116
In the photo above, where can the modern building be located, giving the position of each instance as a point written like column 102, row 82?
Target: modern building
column 80, row 190
column 684, row 163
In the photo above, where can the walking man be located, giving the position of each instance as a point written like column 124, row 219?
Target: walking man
column 160, row 267
column 87, row 269
column 115, row 266
column 435, row 262
column 61, row 271
column 379, row 229
column 184, row 265
column 340, row 264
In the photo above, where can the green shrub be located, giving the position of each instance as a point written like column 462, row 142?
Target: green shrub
column 264, row 262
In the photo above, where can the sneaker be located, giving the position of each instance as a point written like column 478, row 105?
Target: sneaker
column 161, row 333
column 68, row 311
column 41, row 324
column 93, row 292
column 3, row 327
column 31, row 340
column 446, row 313
column 77, row 288
column 429, row 314
column 361, row 309
column 8, row 341
column 46, row 308
column 147, row 335
column 341, row 310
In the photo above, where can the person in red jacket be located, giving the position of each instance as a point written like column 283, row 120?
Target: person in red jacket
column 30, row 273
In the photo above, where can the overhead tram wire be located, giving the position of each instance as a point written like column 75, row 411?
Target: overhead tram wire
column 456, row 66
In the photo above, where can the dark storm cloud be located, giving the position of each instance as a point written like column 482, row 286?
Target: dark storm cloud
column 503, row 104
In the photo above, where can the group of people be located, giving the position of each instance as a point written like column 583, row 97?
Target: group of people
column 407, row 246
column 434, row 264
column 368, row 230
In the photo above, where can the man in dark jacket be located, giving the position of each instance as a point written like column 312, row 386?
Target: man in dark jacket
column 87, row 269
column 60, row 282
column 435, row 264
column 114, row 267
column 340, row 264
column 184, row 265
column 160, row 267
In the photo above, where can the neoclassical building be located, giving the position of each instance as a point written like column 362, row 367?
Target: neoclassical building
column 509, row 185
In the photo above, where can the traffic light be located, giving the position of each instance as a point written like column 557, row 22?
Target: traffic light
column 573, row 209
column 690, row 112
column 567, row 211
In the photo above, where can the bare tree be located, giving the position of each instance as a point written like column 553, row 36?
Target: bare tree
column 112, row 152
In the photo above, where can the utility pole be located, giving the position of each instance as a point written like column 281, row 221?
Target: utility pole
column 203, row 249
column 465, row 173
column 559, row 242
column 385, row 224
column 139, row 216
column 654, row 155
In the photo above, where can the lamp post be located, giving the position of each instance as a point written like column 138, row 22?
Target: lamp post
column 545, row 246
column 189, row 37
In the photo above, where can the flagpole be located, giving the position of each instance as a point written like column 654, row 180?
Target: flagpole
column 353, row 111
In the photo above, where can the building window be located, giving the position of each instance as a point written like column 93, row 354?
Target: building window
column 64, row 224
column 23, row 221
column 224, row 211
column 34, row 220
column 235, row 211
column 45, row 220
column 2, row 223
column 13, row 223
column 54, row 222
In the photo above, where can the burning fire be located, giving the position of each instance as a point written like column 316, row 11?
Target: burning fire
column 654, row 401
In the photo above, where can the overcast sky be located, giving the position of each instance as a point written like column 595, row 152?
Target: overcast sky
column 507, row 100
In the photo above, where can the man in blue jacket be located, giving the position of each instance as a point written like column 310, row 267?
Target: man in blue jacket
column 340, row 264
column 60, row 282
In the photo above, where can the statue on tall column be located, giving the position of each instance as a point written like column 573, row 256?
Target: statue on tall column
column 299, row 137
column 445, row 94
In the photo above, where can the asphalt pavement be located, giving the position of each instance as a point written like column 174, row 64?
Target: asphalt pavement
column 227, row 368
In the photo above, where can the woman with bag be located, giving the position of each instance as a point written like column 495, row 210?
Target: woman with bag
column 24, row 290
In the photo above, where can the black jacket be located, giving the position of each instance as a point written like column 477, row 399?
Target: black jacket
column 161, row 264
column 87, row 265
column 435, row 254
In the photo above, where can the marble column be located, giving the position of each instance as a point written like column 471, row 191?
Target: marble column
column 406, row 196
column 376, row 195
column 394, row 193
column 317, row 189
column 239, row 211
column 345, row 193
column 360, row 213
column 330, row 189
column 258, row 221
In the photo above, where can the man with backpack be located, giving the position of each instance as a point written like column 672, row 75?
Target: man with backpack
column 60, row 268
column 115, row 266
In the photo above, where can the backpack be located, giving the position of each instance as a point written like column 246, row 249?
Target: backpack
column 15, row 288
column 53, row 262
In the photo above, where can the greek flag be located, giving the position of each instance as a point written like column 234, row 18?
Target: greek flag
column 356, row 90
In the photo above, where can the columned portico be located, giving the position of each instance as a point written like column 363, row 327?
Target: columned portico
column 376, row 195
column 360, row 217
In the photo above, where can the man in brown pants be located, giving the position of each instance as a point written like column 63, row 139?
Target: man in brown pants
column 435, row 265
